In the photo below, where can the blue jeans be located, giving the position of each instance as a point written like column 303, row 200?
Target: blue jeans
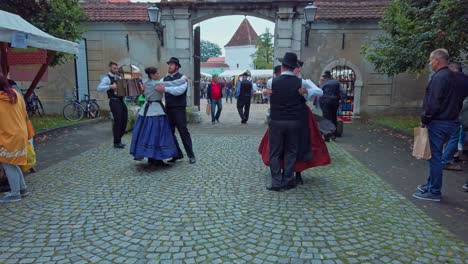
column 452, row 146
column 439, row 132
column 219, row 104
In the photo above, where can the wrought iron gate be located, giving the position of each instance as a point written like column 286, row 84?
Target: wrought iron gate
column 347, row 78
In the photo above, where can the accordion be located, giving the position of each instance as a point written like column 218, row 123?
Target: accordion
column 127, row 87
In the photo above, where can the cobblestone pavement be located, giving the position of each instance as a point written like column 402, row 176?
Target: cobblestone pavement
column 103, row 207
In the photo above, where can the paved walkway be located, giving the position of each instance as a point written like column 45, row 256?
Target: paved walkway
column 103, row 207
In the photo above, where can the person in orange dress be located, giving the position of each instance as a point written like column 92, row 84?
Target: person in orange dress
column 13, row 140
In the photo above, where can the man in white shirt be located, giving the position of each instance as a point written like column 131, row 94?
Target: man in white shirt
column 116, row 103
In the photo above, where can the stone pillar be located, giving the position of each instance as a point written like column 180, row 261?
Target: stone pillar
column 178, row 42
column 288, row 32
column 357, row 98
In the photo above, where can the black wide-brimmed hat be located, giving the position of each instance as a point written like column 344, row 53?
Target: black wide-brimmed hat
column 327, row 75
column 175, row 61
column 290, row 59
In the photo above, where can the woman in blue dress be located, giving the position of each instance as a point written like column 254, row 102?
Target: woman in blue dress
column 152, row 136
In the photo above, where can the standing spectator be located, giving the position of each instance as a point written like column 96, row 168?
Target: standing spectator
column 229, row 87
column 452, row 145
column 13, row 140
column 215, row 98
column 203, row 89
column 330, row 100
column 441, row 107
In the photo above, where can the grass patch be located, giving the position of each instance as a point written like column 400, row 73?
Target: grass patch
column 51, row 121
column 405, row 123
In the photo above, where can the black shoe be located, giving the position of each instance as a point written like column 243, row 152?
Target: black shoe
column 275, row 189
column 119, row 145
column 173, row 160
column 157, row 163
column 299, row 179
column 192, row 160
column 290, row 187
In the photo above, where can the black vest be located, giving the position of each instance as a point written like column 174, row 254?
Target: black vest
column 245, row 88
column 286, row 103
column 175, row 101
column 110, row 92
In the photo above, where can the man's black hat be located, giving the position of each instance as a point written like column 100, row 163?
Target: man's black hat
column 175, row 61
column 277, row 69
column 327, row 75
column 290, row 60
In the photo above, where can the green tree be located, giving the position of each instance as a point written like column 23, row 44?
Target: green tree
column 59, row 18
column 414, row 28
column 263, row 57
column 209, row 50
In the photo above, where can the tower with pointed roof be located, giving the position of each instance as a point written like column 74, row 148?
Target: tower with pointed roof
column 241, row 47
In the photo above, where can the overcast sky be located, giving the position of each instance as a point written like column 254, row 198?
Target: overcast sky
column 220, row 30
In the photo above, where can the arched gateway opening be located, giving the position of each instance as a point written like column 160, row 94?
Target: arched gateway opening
column 179, row 17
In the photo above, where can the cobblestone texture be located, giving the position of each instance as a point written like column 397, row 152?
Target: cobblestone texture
column 103, row 207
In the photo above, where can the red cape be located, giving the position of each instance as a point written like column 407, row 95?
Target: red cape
column 321, row 157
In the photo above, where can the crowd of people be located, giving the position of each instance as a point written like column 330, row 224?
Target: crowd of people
column 293, row 142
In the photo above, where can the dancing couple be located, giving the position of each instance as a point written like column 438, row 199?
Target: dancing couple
column 154, row 133
column 293, row 142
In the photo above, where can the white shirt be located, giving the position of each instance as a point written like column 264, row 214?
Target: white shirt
column 312, row 89
column 176, row 90
column 105, row 82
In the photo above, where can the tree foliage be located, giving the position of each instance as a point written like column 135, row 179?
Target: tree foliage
column 59, row 18
column 209, row 50
column 414, row 28
column 264, row 56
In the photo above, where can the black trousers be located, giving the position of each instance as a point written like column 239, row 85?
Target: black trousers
column 178, row 119
column 243, row 107
column 330, row 109
column 284, row 144
column 120, row 115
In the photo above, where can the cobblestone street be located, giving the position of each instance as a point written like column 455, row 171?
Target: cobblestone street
column 104, row 207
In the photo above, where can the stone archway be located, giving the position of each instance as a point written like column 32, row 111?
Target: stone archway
column 179, row 17
column 358, row 84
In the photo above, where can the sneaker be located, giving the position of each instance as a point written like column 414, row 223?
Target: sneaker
column 8, row 198
column 452, row 167
column 465, row 187
column 422, row 188
column 24, row 192
column 213, row 122
column 428, row 196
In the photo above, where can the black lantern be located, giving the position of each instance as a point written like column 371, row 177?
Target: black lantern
column 154, row 15
column 310, row 12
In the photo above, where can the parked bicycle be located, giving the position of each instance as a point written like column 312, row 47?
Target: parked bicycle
column 33, row 103
column 76, row 109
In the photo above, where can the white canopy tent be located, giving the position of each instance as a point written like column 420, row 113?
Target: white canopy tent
column 36, row 38
column 253, row 73
column 204, row 74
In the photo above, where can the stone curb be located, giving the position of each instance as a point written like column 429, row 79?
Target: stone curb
column 92, row 121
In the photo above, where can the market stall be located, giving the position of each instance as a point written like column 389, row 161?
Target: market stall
column 17, row 33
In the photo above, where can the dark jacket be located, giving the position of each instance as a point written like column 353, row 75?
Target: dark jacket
column 331, row 90
column 444, row 97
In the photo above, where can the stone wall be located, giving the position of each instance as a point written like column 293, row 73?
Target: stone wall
column 339, row 44
column 105, row 42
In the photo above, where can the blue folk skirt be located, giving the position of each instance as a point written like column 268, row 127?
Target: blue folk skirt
column 152, row 138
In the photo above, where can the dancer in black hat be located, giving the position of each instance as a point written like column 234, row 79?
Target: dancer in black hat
column 176, row 103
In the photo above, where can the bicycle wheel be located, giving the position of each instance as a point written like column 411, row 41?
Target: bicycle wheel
column 39, row 107
column 73, row 112
column 94, row 111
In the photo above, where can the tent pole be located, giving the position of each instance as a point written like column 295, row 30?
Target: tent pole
column 40, row 73
column 4, row 60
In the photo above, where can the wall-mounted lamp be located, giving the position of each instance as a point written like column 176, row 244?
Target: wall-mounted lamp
column 154, row 15
column 310, row 12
